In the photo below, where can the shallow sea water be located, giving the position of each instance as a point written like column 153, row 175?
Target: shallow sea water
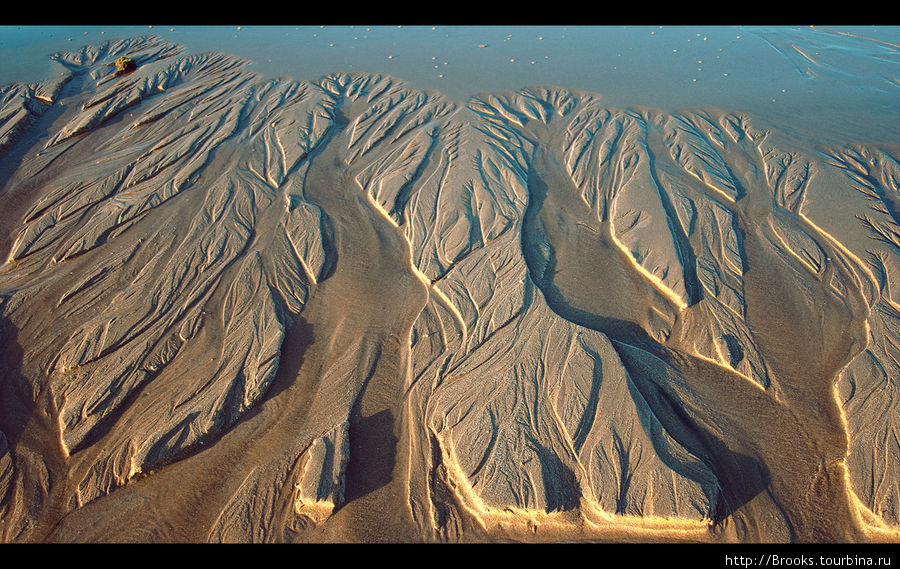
column 824, row 82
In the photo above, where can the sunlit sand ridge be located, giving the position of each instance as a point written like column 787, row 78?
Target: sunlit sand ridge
column 247, row 309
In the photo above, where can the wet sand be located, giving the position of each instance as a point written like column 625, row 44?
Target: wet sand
column 347, row 309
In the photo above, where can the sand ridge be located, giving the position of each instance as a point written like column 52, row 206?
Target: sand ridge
column 347, row 310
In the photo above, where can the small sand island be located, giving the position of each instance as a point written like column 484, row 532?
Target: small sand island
column 242, row 309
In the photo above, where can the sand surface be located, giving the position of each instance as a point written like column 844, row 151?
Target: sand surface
column 239, row 308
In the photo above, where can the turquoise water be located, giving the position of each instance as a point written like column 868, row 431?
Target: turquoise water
column 779, row 71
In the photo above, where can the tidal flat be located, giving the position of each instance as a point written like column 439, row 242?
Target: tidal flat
column 449, row 284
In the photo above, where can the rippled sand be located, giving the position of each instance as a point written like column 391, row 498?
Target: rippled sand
column 246, row 309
